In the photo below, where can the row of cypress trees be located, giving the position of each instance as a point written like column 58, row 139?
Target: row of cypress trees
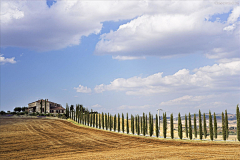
column 144, row 125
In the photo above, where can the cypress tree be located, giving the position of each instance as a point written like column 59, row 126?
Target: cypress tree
column 85, row 117
column 200, row 124
column 96, row 120
column 150, row 124
column 99, row 121
column 204, row 125
column 136, row 124
column 67, row 110
column 127, row 125
column 215, row 126
column 118, row 122
column 195, row 126
column 223, row 127
column 238, row 123
column 132, row 124
column 190, row 127
column 210, row 126
column 106, row 121
column 141, row 124
column 115, row 123
column 138, row 130
column 122, row 122
column 226, row 124
column 91, row 119
column 144, row 125
column 179, row 126
column 186, row 126
column 172, row 127
column 41, row 105
column 156, row 126
column 45, row 106
column 164, row 125
column 103, row 120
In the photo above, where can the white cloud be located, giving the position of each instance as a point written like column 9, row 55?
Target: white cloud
column 222, row 76
column 83, row 89
column 234, row 15
column 126, row 57
column 4, row 60
column 169, row 33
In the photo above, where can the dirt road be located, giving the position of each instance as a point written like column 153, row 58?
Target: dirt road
column 58, row 139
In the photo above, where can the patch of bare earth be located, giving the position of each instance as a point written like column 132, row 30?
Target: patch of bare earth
column 24, row 138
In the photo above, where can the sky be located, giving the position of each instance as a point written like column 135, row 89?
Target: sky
column 121, row 56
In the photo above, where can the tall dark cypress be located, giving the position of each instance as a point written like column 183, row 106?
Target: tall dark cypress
column 210, row 126
column 99, row 121
column 91, row 119
column 136, row 124
column 200, row 124
column 122, row 122
column 164, row 125
column 238, row 123
column 204, row 126
column 150, row 124
column 103, row 120
column 118, row 122
column 172, row 127
column 96, row 120
column 127, row 125
column 179, row 126
column 115, row 123
column 106, row 121
column 226, row 124
column 141, row 124
column 144, row 125
column 223, row 127
column 190, row 126
column 186, row 126
column 132, row 124
column 111, row 122
column 215, row 126
column 67, row 110
column 138, row 130
column 45, row 106
column 156, row 126
column 195, row 126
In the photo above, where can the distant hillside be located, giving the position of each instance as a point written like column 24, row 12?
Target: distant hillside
column 218, row 116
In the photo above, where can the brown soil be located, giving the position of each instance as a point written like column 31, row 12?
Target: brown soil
column 25, row 138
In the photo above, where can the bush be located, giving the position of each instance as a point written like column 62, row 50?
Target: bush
column 2, row 112
column 64, row 116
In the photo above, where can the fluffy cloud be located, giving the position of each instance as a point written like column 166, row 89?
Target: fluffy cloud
column 83, row 89
column 4, row 60
column 168, row 33
column 222, row 76
column 122, row 58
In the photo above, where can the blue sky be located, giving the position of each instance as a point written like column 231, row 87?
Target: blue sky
column 121, row 56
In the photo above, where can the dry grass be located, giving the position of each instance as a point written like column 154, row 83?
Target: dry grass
column 25, row 138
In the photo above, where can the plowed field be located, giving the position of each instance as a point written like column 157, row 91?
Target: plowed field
column 59, row 139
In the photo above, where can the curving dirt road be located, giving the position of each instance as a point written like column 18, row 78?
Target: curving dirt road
column 23, row 138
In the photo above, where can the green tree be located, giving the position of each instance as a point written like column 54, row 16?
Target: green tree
column 164, row 125
column 17, row 109
column 186, row 126
column 150, row 124
column 110, row 126
column 141, row 123
column 122, row 122
column 179, row 126
column 118, row 122
column 115, row 123
column 210, row 126
column 156, row 126
column 99, row 121
column 223, row 127
column 144, row 125
column 190, row 126
column 172, row 127
column 132, row 124
column 106, row 121
column 215, row 126
column 138, row 130
column 67, row 110
column 103, row 120
column 226, row 124
column 127, row 125
column 200, row 124
column 195, row 126
column 96, row 120
column 238, row 123
column 136, row 124
column 204, row 125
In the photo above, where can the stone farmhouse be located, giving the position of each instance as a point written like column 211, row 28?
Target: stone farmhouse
column 51, row 107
